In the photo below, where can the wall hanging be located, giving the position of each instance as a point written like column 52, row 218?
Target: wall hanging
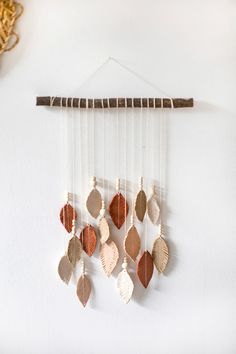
column 129, row 203
column 10, row 11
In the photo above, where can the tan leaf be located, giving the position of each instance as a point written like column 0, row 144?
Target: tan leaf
column 83, row 289
column 88, row 239
column 94, row 203
column 145, row 268
column 132, row 243
column 67, row 215
column 109, row 256
column 153, row 209
column 118, row 210
column 125, row 286
column 104, row 230
column 65, row 269
column 141, row 205
column 160, row 254
column 74, row 250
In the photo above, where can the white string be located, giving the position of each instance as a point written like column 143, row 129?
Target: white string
column 125, row 156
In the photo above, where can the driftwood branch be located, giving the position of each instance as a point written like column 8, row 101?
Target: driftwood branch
column 114, row 102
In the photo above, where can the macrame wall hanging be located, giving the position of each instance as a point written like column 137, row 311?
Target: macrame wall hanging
column 129, row 206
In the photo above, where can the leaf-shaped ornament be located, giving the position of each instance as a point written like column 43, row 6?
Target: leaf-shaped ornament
column 88, row 239
column 160, row 254
column 145, row 268
column 118, row 210
column 141, row 205
column 125, row 286
column 153, row 209
column 65, row 269
column 94, row 203
column 132, row 243
column 104, row 230
column 109, row 256
column 83, row 289
column 74, row 250
column 67, row 215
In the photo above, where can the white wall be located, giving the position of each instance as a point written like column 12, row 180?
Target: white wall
column 188, row 49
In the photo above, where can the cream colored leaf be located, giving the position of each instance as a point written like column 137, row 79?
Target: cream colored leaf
column 141, row 205
column 65, row 269
column 153, row 209
column 74, row 250
column 132, row 243
column 160, row 254
column 125, row 286
column 94, row 203
column 104, row 230
column 83, row 289
column 109, row 256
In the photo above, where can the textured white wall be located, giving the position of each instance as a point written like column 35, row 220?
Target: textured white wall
column 186, row 48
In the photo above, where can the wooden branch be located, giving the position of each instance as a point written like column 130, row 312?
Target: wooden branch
column 114, row 102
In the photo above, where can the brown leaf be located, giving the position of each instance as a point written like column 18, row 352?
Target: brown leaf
column 104, row 230
column 109, row 256
column 88, row 239
column 65, row 269
column 153, row 209
column 141, row 205
column 118, row 210
column 67, row 215
column 160, row 254
column 83, row 289
column 94, row 203
column 74, row 250
column 145, row 268
column 132, row 243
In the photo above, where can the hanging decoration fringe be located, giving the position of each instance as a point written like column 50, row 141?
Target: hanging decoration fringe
column 83, row 287
column 124, row 283
column 160, row 253
column 94, row 201
column 153, row 207
column 141, row 202
column 118, row 208
column 132, row 242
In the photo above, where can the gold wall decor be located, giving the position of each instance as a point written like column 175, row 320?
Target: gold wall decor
column 10, row 11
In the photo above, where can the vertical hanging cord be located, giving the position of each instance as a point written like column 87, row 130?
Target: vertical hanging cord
column 125, row 156
column 87, row 154
column 133, row 163
column 80, row 174
column 104, row 150
column 161, row 160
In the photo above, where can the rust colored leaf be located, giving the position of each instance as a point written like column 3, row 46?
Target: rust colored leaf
column 132, row 243
column 145, row 269
column 118, row 210
column 83, row 289
column 74, row 250
column 65, row 269
column 88, row 239
column 67, row 214
column 141, row 205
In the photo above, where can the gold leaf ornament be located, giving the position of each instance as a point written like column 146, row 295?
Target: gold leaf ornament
column 153, row 207
column 141, row 202
column 124, row 284
column 132, row 242
column 65, row 269
column 160, row 253
column 109, row 256
column 94, row 200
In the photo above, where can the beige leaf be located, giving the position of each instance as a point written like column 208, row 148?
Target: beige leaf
column 132, row 243
column 74, row 250
column 109, row 256
column 153, row 209
column 160, row 254
column 125, row 286
column 83, row 289
column 141, row 205
column 94, row 203
column 65, row 269
column 104, row 230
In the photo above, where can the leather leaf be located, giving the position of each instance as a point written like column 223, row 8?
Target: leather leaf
column 132, row 243
column 109, row 256
column 65, row 269
column 160, row 254
column 125, row 286
column 83, row 289
column 74, row 250
column 104, row 230
column 145, row 269
column 94, row 203
column 141, row 205
column 88, row 239
column 67, row 214
column 118, row 210
column 153, row 209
